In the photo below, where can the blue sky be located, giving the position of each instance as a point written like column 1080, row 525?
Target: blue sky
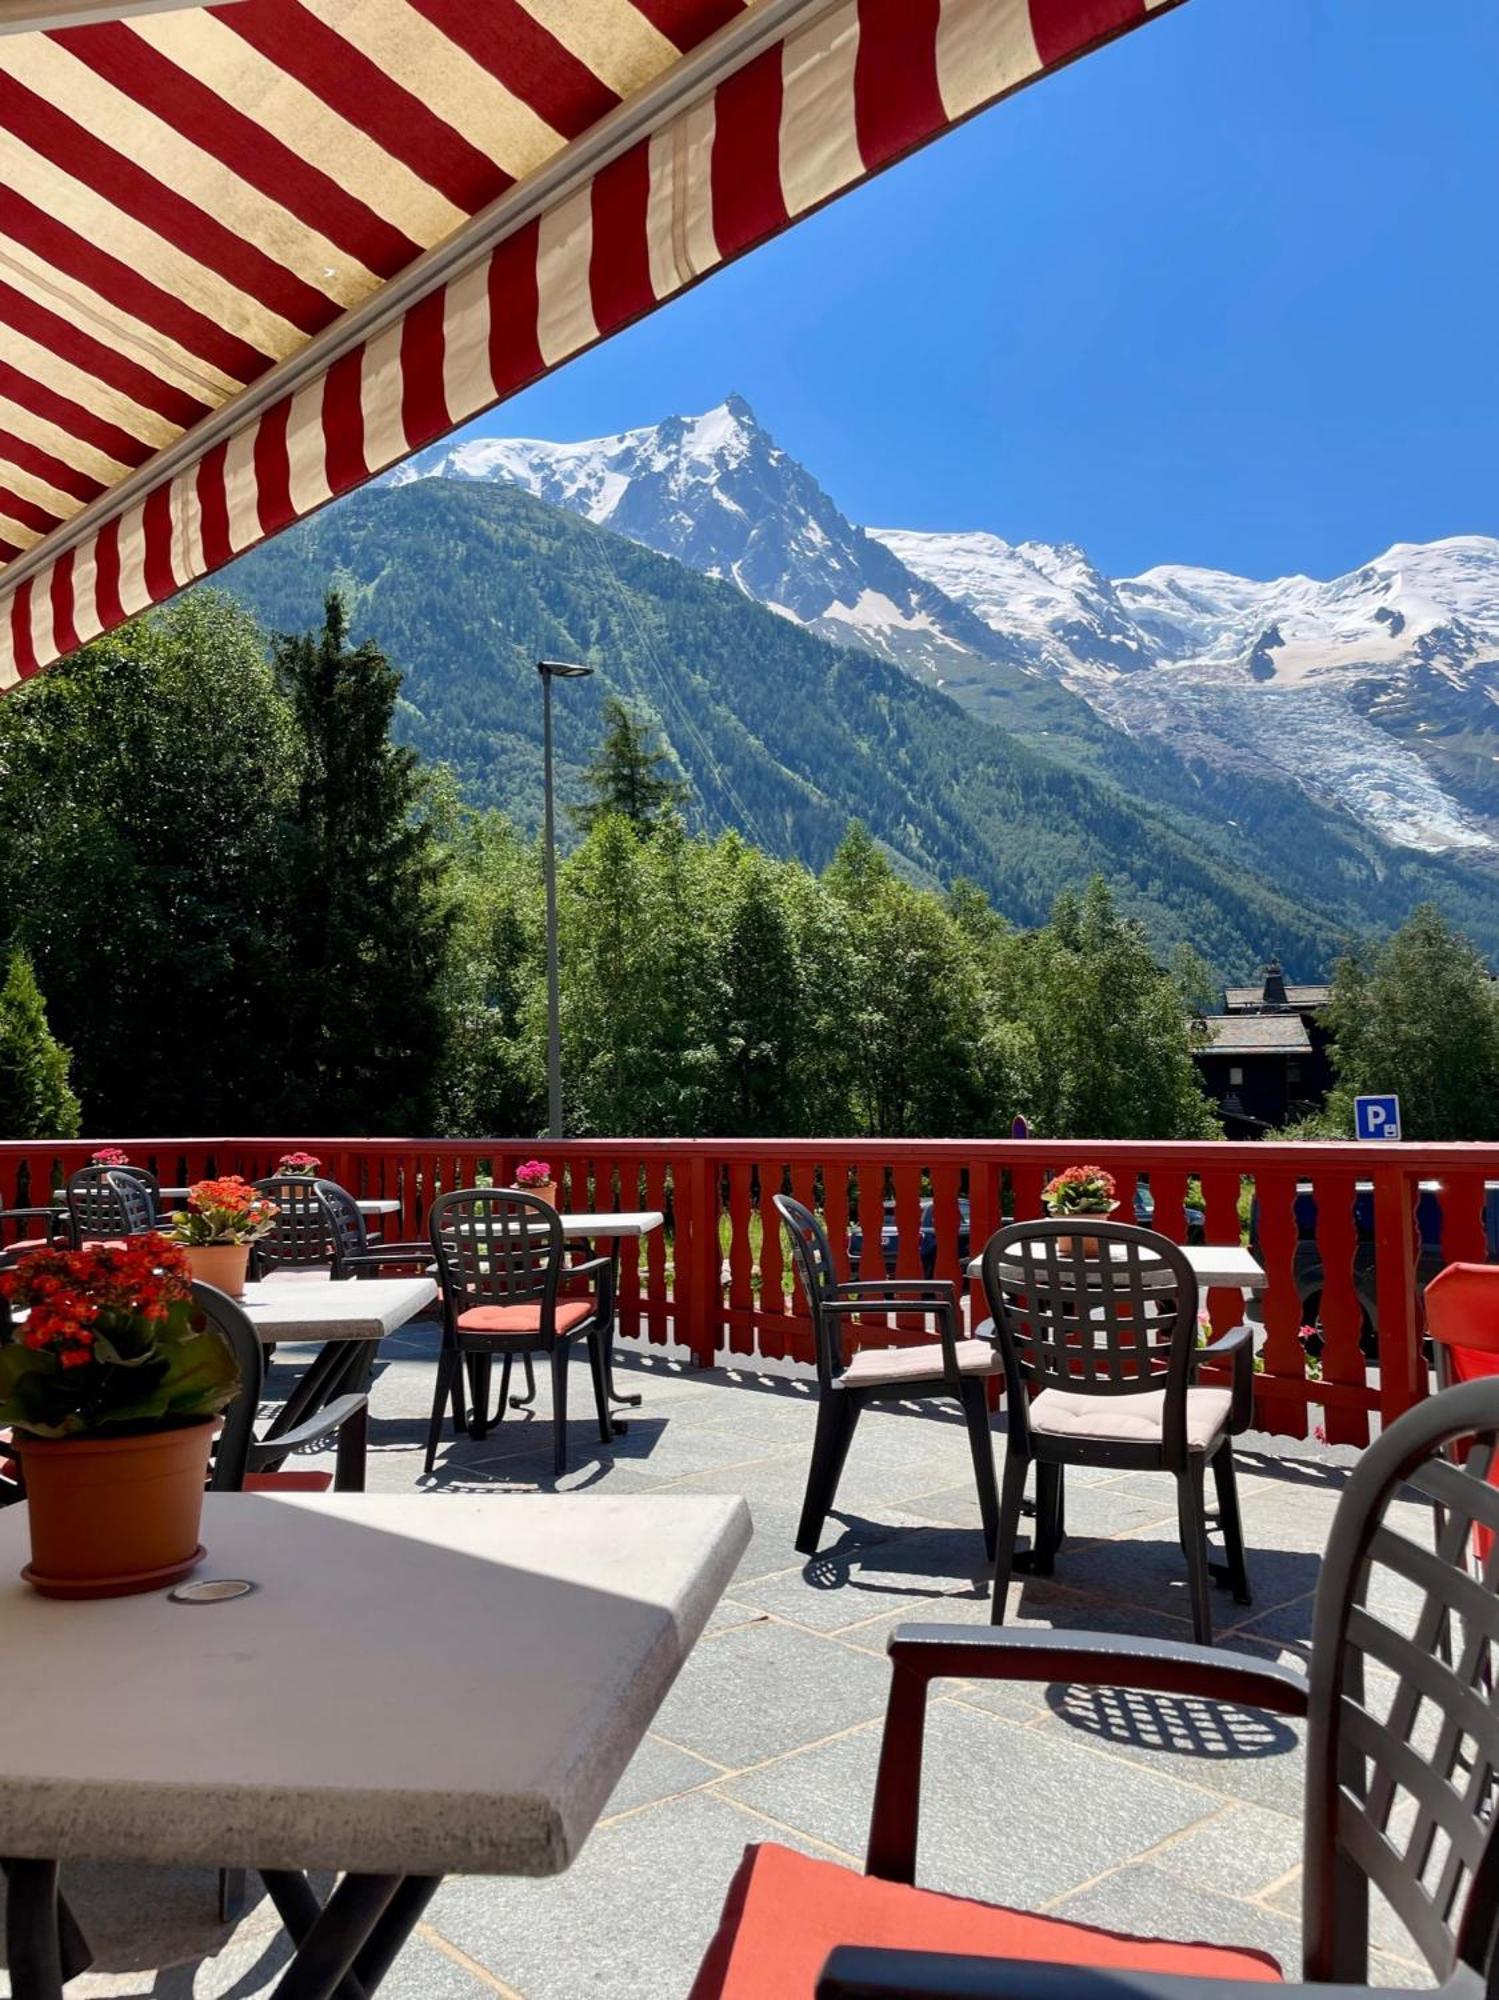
column 1225, row 293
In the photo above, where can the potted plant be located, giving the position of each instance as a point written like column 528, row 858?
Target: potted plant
column 299, row 1166
column 222, row 1219
column 1080, row 1191
column 111, row 1387
column 110, row 1156
column 535, row 1177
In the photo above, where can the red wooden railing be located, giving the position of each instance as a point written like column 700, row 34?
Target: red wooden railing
column 720, row 1285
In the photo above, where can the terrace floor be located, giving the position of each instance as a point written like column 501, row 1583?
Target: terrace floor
column 1135, row 1813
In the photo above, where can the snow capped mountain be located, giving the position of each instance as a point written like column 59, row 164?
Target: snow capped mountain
column 718, row 493
column 1377, row 691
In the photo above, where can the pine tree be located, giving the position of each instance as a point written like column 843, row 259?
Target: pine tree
column 370, row 916
column 626, row 776
column 36, row 1101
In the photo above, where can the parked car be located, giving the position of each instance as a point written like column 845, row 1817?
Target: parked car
column 890, row 1241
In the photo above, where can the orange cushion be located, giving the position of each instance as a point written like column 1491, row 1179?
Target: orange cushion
column 785, row 1912
column 288, row 1482
column 523, row 1319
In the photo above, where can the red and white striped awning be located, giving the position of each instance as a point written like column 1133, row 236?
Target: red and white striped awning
column 253, row 254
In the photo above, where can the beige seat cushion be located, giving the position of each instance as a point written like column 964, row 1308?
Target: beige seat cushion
column 918, row 1364
column 1128, row 1419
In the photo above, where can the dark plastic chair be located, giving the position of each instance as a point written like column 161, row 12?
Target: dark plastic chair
column 245, row 1463
column 1100, row 1357
column 1402, row 1748
column 357, row 1254
column 502, row 1264
column 945, row 1367
column 106, row 1204
column 304, row 1232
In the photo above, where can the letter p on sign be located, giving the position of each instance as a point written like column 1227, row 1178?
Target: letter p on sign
column 1376, row 1117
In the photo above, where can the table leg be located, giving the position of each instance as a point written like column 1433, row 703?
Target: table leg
column 523, row 1402
column 615, row 1395
column 346, row 1946
column 317, row 1385
column 42, row 1943
column 352, row 1460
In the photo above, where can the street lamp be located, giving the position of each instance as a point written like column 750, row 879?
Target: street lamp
column 553, row 670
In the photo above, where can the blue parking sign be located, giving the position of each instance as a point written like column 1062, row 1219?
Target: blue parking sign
column 1376, row 1117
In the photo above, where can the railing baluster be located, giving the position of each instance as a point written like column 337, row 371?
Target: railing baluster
column 1277, row 1410
column 741, row 1259
column 1340, row 1313
column 1402, row 1369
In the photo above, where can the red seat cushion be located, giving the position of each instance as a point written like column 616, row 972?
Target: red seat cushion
column 524, row 1318
column 785, row 1912
column 288, row 1482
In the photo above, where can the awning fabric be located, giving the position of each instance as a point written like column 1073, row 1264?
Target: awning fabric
column 252, row 255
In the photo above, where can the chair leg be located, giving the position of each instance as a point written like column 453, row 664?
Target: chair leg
column 1231, row 1522
column 481, row 1368
column 559, row 1408
column 837, row 1414
column 598, row 1364
column 232, row 1895
column 981, row 1444
column 1194, row 1540
column 1011, row 1494
column 447, row 1386
column 504, row 1403
column 1050, row 1511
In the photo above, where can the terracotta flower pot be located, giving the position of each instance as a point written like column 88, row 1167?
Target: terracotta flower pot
column 1084, row 1246
column 547, row 1192
column 223, row 1265
column 110, row 1516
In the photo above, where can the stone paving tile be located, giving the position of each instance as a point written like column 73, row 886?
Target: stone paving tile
column 908, row 1570
column 1094, row 1508
column 1243, row 1851
column 629, row 1920
column 658, row 1770
column 1006, row 1813
column 759, row 1690
column 1147, row 1902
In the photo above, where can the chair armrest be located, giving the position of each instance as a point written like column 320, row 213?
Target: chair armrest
column 362, row 1263
column 864, row 1972
column 933, row 1287
column 1236, row 1347
column 265, row 1455
column 591, row 1267
column 920, row 1654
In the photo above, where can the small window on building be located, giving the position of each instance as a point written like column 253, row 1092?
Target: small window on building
column 1235, row 1077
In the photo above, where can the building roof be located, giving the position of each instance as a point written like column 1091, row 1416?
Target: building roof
column 1249, row 999
column 1257, row 1035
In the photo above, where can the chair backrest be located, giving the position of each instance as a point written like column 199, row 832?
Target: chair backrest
column 350, row 1238
column 1403, row 1734
column 109, row 1202
column 497, row 1246
column 1462, row 1317
column 304, row 1230
column 812, row 1255
column 1097, row 1308
column 232, row 1451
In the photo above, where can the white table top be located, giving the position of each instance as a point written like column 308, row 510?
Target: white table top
column 422, row 1683
column 318, row 1308
column 627, row 1222
column 1215, row 1264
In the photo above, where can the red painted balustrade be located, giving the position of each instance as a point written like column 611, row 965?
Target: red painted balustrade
column 1347, row 1234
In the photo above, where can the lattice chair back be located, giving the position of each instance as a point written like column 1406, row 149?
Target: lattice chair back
column 304, row 1231
column 106, row 1202
column 1403, row 1735
column 1095, row 1308
column 231, row 1453
column 350, row 1237
column 812, row 1255
column 497, row 1246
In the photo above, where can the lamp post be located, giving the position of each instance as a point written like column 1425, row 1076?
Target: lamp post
column 553, row 670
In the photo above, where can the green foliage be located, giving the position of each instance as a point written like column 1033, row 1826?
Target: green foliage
column 368, row 921
column 627, row 777
column 1115, row 1048
column 1418, row 1015
column 36, row 1101
column 144, row 1375
column 145, row 788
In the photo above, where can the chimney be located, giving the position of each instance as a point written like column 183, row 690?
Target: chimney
column 1275, row 986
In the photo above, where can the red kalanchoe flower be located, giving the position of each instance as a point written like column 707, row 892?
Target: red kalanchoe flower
column 110, row 1156
column 532, row 1174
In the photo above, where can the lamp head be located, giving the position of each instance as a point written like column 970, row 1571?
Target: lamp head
column 563, row 670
